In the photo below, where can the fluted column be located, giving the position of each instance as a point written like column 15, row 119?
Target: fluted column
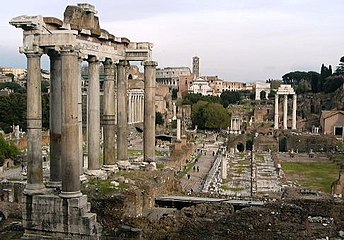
column 93, row 115
column 122, row 104
column 141, row 108
column 70, row 125
column 129, row 107
column 276, row 111
column 149, row 111
column 55, row 119
column 135, row 108
column 34, row 124
column 285, row 112
column 109, row 117
column 293, row 123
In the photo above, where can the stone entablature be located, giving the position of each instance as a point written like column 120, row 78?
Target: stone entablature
column 78, row 31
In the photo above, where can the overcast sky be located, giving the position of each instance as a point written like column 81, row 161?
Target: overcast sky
column 246, row 40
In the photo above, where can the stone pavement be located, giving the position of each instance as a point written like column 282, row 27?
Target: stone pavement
column 204, row 163
column 245, row 178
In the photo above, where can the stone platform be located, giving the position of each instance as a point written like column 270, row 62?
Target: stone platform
column 53, row 217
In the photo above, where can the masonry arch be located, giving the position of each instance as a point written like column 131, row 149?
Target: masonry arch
column 240, row 147
column 283, row 144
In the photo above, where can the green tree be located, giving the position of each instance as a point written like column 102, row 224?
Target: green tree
column 197, row 114
column 7, row 150
column 333, row 83
column 216, row 116
column 191, row 98
column 230, row 97
column 13, row 86
column 12, row 111
column 210, row 116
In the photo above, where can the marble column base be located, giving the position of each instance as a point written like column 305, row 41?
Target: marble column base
column 110, row 168
column 96, row 173
column 52, row 184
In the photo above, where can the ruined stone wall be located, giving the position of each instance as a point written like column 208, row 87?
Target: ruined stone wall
column 11, row 199
column 180, row 155
column 303, row 143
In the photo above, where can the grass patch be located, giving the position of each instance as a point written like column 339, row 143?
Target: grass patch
column 132, row 152
column 103, row 187
column 340, row 158
column 159, row 153
column 160, row 166
column 313, row 175
column 259, row 158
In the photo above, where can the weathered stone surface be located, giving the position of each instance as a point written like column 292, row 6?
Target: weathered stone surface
column 46, row 216
column 80, row 19
column 53, row 21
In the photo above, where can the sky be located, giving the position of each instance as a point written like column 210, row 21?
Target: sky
column 246, row 40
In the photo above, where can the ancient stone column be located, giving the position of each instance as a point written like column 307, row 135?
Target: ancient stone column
column 224, row 167
column 285, row 112
column 141, row 108
column 149, row 111
column 93, row 116
column 55, row 119
column 81, row 138
column 293, row 123
column 174, row 117
column 34, row 124
column 178, row 129
column 109, row 116
column 276, row 112
column 70, row 125
column 122, row 116
column 136, row 107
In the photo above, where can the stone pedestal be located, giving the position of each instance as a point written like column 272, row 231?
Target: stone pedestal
column 52, row 217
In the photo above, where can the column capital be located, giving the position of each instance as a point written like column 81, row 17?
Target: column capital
column 33, row 54
column 123, row 63
column 68, row 50
column 92, row 59
column 150, row 63
column 107, row 62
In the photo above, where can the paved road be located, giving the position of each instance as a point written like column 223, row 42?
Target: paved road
column 204, row 163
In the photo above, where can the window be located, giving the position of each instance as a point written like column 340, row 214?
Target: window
column 338, row 131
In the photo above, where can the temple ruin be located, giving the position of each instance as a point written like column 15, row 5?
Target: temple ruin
column 58, row 208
